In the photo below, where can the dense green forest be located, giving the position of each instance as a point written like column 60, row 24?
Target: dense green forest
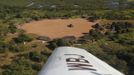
column 111, row 41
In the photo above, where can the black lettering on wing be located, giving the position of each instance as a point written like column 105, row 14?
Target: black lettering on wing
column 77, row 66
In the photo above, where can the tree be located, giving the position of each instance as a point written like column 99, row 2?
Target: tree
column 37, row 57
column 19, row 67
column 22, row 38
column 96, row 34
column 58, row 42
column 12, row 28
column 37, row 67
column 3, row 46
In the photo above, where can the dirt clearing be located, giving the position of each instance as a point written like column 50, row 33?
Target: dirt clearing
column 58, row 28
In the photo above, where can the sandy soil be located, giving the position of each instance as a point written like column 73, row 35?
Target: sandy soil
column 57, row 28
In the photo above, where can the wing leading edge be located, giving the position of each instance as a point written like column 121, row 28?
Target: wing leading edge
column 76, row 61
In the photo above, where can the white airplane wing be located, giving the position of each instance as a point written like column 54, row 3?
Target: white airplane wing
column 75, row 61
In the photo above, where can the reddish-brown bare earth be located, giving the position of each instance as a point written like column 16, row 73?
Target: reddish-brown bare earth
column 57, row 28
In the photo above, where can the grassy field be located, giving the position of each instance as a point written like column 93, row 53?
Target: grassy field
column 65, row 4
column 130, row 0
column 14, row 2
column 68, row 3
column 21, row 3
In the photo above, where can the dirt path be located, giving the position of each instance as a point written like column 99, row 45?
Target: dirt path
column 57, row 28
